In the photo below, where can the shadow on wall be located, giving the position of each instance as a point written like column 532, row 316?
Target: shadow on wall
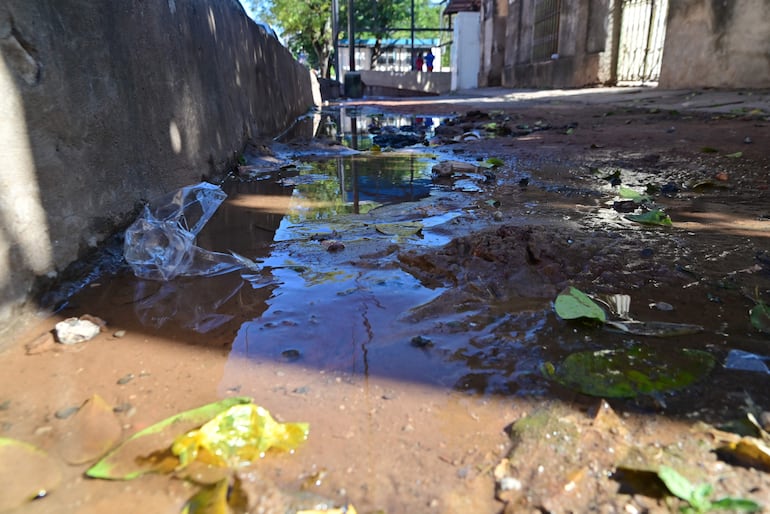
column 105, row 105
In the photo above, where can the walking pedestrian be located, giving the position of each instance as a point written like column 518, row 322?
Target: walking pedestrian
column 429, row 60
column 418, row 62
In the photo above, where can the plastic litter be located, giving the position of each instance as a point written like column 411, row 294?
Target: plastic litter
column 746, row 361
column 160, row 244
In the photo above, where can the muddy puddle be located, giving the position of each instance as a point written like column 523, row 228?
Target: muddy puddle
column 408, row 316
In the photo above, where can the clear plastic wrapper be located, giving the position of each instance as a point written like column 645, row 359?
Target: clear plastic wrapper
column 160, row 244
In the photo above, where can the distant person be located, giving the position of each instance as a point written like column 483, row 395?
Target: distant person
column 429, row 60
column 418, row 62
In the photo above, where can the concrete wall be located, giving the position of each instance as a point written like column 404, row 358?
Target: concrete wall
column 401, row 83
column 585, row 45
column 106, row 103
column 494, row 15
column 466, row 51
column 716, row 43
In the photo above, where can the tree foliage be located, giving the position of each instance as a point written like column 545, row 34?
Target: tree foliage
column 386, row 19
column 306, row 26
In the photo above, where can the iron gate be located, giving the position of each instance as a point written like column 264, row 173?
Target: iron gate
column 545, row 34
column 642, row 33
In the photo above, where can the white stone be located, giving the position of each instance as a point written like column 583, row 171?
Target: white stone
column 74, row 330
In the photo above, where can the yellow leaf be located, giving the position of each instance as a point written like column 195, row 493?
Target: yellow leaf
column 239, row 435
column 209, row 500
column 751, row 451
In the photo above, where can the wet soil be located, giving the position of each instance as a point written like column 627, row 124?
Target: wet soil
column 416, row 357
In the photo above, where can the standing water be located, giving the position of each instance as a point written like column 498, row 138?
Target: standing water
column 375, row 313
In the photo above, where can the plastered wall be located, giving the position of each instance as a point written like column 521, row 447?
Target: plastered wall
column 103, row 104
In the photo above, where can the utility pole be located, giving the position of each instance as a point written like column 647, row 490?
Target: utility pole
column 352, row 38
column 336, row 38
column 412, row 29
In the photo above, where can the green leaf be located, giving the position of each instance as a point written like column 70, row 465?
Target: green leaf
column 629, row 372
column 736, row 504
column 572, row 303
column 405, row 228
column 654, row 217
column 495, row 162
column 699, row 498
column 760, row 317
column 735, row 155
column 130, row 459
column 632, row 194
column 677, row 485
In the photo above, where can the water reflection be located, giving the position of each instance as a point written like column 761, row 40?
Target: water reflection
column 356, row 184
column 361, row 128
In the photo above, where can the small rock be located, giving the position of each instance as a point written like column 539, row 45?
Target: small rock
column 66, row 412
column 94, row 319
column 291, row 354
column 332, row 245
column 662, row 306
column 45, row 429
column 125, row 379
column 74, row 330
column 624, row 205
column 122, row 407
column 421, row 342
column 40, row 344
column 748, row 140
column 119, row 333
column 509, row 484
column 498, row 216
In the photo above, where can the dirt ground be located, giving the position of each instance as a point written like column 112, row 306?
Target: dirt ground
column 494, row 436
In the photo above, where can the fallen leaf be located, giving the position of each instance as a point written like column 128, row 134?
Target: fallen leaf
column 239, row 435
column 405, row 228
column 654, row 217
column 573, row 303
column 91, row 432
column 749, row 451
column 760, row 317
column 142, row 452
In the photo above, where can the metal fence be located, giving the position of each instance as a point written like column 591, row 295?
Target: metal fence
column 545, row 39
column 642, row 34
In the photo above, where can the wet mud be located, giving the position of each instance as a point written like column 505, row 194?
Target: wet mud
column 406, row 312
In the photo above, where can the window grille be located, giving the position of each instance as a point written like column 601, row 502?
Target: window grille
column 545, row 37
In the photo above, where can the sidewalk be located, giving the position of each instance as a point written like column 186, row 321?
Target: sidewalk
column 716, row 101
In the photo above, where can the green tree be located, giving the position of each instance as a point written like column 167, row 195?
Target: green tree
column 307, row 30
column 305, row 27
column 381, row 19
